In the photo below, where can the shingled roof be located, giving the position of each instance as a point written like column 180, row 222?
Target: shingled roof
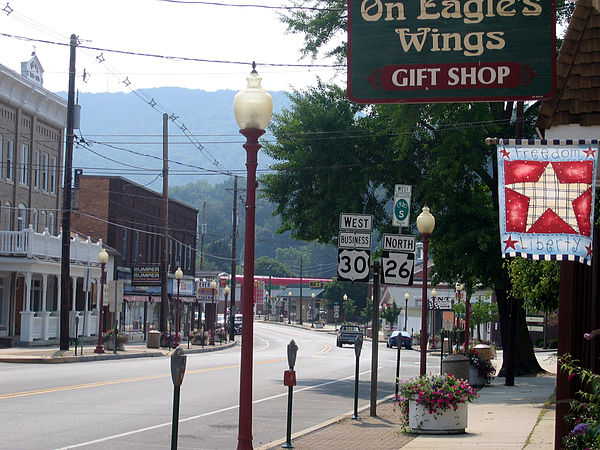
column 577, row 97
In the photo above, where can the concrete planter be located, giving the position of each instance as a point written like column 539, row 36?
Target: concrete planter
column 446, row 421
column 474, row 378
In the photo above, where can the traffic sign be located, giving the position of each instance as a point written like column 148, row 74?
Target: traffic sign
column 348, row 239
column 336, row 311
column 356, row 222
column 401, row 213
column 353, row 264
column 397, row 268
column 399, row 242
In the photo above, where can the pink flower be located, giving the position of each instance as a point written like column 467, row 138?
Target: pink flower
column 587, row 336
column 571, row 376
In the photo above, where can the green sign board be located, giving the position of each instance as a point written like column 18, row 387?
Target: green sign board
column 414, row 51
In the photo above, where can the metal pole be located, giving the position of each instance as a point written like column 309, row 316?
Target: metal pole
column 65, row 268
column 164, row 306
column 175, row 426
column 397, row 362
column 99, row 347
column 423, row 361
column 300, row 289
column 356, row 376
column 115, row 316
column 375, row 339
column 245, row 411
column 233, row 261
column 288, row 433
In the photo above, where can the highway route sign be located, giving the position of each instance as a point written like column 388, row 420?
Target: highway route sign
column 349, row 239
column 397, row 268
column 353, row 264
column 401, row 212
column 399, row 243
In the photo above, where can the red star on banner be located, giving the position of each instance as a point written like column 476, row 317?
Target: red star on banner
column 589, row 152
column 510, row 243
column 589, row 250
column 505, row 153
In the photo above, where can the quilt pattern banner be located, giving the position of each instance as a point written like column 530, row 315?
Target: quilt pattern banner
column 546, row 191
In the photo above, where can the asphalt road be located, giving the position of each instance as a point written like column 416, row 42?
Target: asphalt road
column 129, row 403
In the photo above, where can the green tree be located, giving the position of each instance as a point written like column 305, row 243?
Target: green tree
column 334, row 292
column 391, row 313
column 349, row 309
column 482, row 312
column 269, row 266
column 536, row 282
column 367, row 312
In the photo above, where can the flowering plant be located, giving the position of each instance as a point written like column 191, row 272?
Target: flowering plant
column 484, row 366
column 436, row 393
column 109, row 337
column 584, row 411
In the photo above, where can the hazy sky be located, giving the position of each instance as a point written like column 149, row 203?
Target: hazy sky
column 199, row 31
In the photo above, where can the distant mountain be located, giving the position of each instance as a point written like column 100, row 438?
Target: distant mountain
column 116, row 124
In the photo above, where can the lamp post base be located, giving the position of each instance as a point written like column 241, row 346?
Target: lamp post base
column 99, row 349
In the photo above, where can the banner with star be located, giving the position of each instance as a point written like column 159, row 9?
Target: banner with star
column 546, row 191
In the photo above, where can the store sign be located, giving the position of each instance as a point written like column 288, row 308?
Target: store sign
column 145, row 275
column 448, row 51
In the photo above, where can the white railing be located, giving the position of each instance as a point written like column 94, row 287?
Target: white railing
column 29, row 243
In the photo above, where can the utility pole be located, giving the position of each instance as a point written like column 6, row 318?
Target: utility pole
column 233, row 259
column 202, row 235
column 375, row 339
column 65, row 268
column 164, row 302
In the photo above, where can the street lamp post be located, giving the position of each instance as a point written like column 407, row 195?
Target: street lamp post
column 213, row 308
column 289, row 306
column 345, row 297
column 459, row 287
column 178, row 277
column 425, row 224
column 253, row 108
column 312, row 313
column 226, row 292
column 406, row 297
column 103, row 259
column 433, row 306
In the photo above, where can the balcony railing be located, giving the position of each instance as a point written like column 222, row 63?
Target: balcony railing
column 28, row 243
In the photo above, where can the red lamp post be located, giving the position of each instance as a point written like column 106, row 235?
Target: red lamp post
column 178, row 277
column 406, row 297
column 226, row 292
column 425, row 224
column 312, row 311
column 103, row 259
column 252, row 108
column 213, row 319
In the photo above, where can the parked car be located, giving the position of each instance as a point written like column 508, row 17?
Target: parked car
column 347, row 334
column 404, row 337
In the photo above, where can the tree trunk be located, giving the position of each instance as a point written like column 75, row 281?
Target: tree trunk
column 526, row 362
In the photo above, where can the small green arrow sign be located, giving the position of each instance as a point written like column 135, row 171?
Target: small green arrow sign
column 401, row 211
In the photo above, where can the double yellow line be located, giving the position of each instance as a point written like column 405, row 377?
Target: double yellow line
column 324, row 350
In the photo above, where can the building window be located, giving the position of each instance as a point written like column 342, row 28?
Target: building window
column 53, row 175
column 36, row 169
column 10, row 160
column 51, row 224
column 125, row 232
column 22, row 217
column 35, row 220
column 24, row 161
column 137, row 246
column 45, row 172
column 8, row 216
column 43, row 221
column 36, row 295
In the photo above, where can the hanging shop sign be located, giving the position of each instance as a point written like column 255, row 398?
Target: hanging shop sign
column 450, row 50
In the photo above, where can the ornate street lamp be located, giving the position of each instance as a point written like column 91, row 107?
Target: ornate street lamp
column 213, row 308
column 312, row 313
column 345, row 298
column 178, row 277
column 425, row 224
column 102, row 259
column 406, row 297
column 252, row 108
column 226, row 292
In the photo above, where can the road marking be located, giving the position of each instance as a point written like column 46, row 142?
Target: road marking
column 135, row 379
column 210, row 413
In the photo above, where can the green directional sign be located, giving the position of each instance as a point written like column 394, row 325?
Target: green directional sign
column 401, row 209
column 401, row 212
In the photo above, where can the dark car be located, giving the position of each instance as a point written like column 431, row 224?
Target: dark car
column 404, row 336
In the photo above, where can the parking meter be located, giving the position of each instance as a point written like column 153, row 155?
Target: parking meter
column 289, row 380
column 178, row 360
column 358, row 343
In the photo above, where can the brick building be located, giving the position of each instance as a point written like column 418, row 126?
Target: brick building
column 128, row 218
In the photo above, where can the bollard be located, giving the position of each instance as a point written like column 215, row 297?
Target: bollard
column 358, row 342
column 178, row 360
column 289, row 380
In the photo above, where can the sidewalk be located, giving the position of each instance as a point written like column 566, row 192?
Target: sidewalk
column 51, row 355
column 503, row 417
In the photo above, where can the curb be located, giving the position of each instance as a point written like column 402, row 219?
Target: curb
column 107, row 356
column 279, row 442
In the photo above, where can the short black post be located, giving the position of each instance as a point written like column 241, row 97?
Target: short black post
column 178, row 360
column 289, row 380
column 398, row 341
column 76, row 332
column 357, row 348
column 442, row 334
